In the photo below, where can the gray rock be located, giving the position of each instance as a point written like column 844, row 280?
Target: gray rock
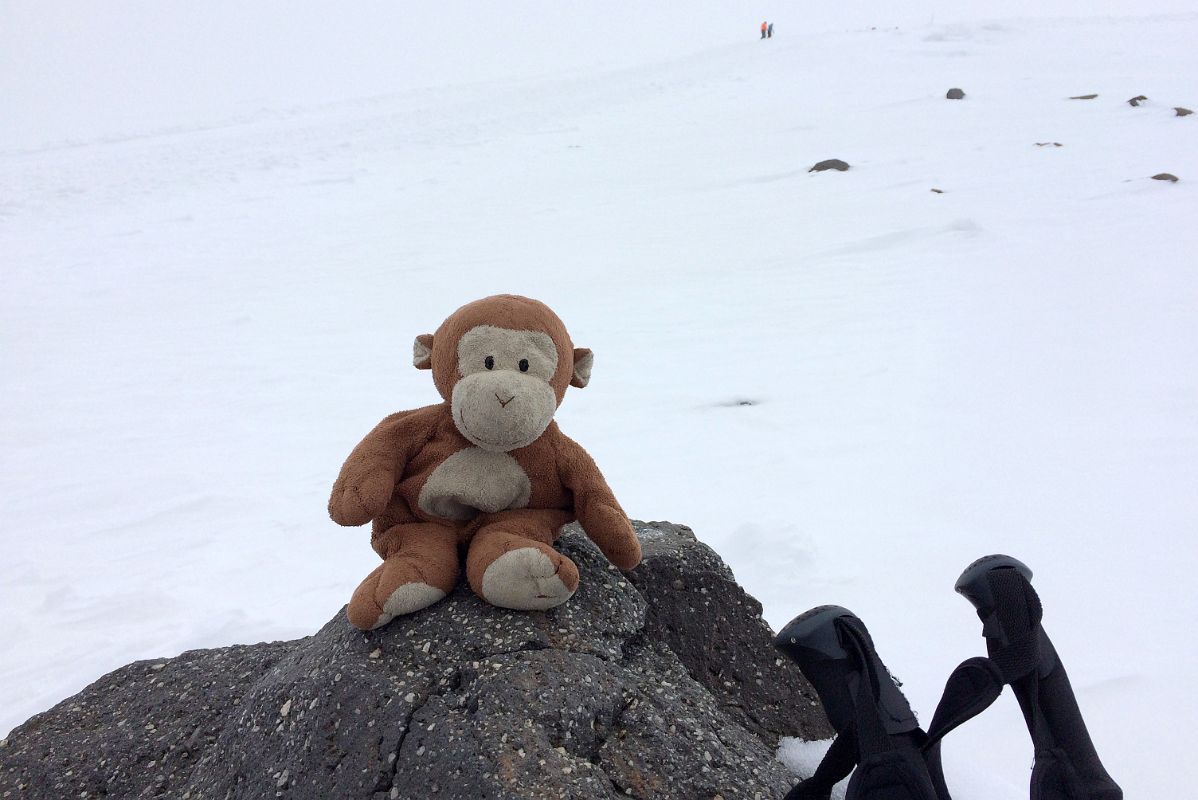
column 1182, row 112
column 831, row 163
column 955, row 94
column 1135, row 101
column 716, row 630
column 1083, row 97
column 1166, row 176
column 660, row 684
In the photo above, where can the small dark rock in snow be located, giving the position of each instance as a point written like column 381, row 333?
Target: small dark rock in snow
column 938, row 191
column 1135, row 101
column 1083, row 97
column 1049, row 144
column 955, row 94
column 1182, row 112
column 831, row 163
column 662, row 683
column 1165, row 176
column 737, row 402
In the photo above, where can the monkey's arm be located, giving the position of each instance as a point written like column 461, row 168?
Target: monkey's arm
column 368, row 476
column 596, row 507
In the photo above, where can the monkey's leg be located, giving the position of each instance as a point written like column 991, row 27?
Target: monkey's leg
column 420, row 567
column 511, row 562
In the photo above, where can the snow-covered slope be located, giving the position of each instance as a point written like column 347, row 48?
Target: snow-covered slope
column 205, row 306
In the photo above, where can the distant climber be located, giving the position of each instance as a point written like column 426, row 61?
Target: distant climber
column 764, row 30
column 769, row 32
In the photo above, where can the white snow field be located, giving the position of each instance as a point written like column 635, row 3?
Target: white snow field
column 220, row 230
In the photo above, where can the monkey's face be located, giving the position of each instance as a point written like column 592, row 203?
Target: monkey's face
column 504, row 364
column 503, row 399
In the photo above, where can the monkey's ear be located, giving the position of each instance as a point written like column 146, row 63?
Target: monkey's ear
column 584, row 359
column 422, row 351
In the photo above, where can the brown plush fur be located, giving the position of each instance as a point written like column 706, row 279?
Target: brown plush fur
column 430, row 491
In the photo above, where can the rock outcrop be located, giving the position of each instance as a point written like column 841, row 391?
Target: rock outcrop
column 831, row 163
column 659, row 684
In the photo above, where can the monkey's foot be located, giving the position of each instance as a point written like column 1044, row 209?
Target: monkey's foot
column 396, row 587
column 531, row 578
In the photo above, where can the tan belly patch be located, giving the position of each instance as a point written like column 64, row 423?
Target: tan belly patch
column 472, row 481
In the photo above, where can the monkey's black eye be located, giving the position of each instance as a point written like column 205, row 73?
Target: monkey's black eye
column 524, row 365
column 489, row 362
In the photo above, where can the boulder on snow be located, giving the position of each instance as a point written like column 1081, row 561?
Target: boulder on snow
column 1135, row 101
column 1166, row 176
column 663, row 683
column 1182, row 112
column 831, row 163
column 955, row 94
column 1083, row 97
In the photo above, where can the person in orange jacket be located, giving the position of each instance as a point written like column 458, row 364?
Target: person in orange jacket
column 764, row 26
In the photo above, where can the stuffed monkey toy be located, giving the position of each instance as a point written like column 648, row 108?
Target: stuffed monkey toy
column 486, row 471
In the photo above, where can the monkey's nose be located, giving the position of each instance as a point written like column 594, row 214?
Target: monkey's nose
column 504, row 402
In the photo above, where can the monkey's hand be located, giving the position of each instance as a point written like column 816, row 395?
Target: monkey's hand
column 367, row 478
column 596, row 507
column 608, row 527
column 359, row 497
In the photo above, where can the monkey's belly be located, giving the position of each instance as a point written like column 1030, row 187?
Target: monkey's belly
column 472, row 481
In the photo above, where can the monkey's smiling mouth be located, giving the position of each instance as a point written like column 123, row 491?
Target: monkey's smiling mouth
column 474, row 437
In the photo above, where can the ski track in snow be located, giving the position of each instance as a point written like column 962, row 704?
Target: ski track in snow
column 198, row 324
